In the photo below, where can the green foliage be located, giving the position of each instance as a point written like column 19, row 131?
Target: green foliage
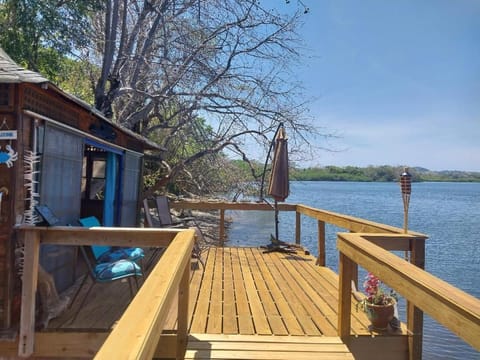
column 37, row 34
column 378, row 173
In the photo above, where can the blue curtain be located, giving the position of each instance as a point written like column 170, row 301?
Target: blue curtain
column 110, row 190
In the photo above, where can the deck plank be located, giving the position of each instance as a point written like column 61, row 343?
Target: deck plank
column 230, row 321
column 292, row 325
column 245, row 321
column 214, row 325
column 291, row 293
column 323, row 315
column 265, row 347
column 256, row 307
column 271, row 310
column 326, row 281
column 200, row 316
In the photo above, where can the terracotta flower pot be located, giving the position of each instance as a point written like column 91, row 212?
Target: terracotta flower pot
column 380, row 315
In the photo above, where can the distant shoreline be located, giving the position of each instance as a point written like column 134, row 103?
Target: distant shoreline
column 413, row 181
column 383, row 173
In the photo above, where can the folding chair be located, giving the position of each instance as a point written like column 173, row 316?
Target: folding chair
column 165, row 219
column 105, row 253
column 106, row 272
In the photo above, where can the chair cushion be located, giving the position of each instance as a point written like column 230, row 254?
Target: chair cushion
column 116, row 270
column 118, row 253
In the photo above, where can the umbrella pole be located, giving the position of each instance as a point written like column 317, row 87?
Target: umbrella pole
column 276, row 220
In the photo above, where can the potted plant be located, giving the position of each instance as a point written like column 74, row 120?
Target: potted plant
column 379, row 303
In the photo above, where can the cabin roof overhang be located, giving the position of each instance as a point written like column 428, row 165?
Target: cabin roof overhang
column 12, row 73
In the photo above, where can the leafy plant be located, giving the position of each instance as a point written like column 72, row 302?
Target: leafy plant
column 377, row 293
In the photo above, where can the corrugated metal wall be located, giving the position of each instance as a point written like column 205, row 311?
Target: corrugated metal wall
column 60, row 189
column 130, row 189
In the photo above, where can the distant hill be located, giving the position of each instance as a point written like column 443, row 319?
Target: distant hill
column 379, row 173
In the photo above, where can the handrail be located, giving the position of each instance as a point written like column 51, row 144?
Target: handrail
column 455, row 309
column 33, row 237
column 323, row 217
column 351, row 223
column 138, row 331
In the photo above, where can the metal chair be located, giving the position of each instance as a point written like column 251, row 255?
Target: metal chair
column 105, row 253
column 106, row 272
column 164, row 219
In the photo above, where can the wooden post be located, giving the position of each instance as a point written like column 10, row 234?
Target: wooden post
column 298, row 226
column 355, row 272
column 345, row 269
column 222, row 227
column 29, row 288
column 414, row 314
column 183, row 299
column 321, row 244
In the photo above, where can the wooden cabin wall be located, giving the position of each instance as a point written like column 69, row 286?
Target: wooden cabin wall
column 47, row 101
column 8, row 177
column 7, row 181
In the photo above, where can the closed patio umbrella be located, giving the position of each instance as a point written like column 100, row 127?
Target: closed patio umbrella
column 278, row 187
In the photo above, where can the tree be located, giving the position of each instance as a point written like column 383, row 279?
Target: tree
column 38, row 34
column 216, row 74
column 166, row 63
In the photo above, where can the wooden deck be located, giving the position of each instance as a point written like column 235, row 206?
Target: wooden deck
column 249, row 304
column 245, row 291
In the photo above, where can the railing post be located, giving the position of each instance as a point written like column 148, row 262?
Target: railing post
column 414, row 314
column 29, row 288
column 345, row 269
column 321, row 243
column 183, row 299
column 298, row 226
column 355, row 272
column 222, row 227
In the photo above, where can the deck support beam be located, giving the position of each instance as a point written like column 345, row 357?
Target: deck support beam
column 414, row 314
column 346, row 271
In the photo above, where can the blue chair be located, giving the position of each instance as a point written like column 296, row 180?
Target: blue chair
column 106, row 254
column 106, row 272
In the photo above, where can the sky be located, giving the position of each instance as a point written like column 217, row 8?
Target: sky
column 398, row 81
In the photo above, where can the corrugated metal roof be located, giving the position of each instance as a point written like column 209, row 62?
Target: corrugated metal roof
column 11, row 72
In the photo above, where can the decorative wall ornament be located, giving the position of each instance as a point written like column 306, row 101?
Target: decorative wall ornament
column 8, row 157
column 31, row 174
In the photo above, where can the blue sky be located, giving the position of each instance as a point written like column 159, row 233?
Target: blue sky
column 398, row 80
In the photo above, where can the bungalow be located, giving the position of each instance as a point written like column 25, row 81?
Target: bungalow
column 58, row 151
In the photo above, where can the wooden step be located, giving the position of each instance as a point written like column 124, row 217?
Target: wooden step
column 215, row 346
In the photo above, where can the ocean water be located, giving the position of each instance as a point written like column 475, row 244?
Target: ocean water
column 449, row 213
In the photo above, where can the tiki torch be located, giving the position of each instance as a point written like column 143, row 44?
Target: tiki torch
column 406, row 186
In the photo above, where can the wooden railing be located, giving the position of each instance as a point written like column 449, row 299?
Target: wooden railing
column 388, row 237
column 140, row 327
column 323, row 217
column 455, row 309
column 365, row 246
column 137, row 334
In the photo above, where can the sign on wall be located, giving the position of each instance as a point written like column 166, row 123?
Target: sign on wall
column 8, row 134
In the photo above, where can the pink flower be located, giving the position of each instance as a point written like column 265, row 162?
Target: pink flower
column 376, row 294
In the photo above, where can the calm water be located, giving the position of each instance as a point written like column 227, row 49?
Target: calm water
column 449, row 213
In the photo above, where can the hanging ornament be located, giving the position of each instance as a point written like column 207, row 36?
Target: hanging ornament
column 8, row 157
